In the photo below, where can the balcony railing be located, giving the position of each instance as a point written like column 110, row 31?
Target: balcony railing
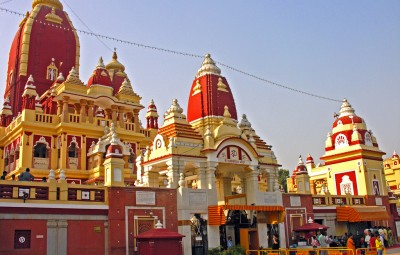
column 51, row 192
column 338, row 200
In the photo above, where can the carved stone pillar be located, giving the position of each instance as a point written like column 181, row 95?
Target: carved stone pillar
column 201, row 176
column 173, row 174
column 83, row 110
column 59, row 107
column 136, row 120
column 211, row 168
column 90, row 110
column 114, row 111
column 252, row 184
column 65, row 114
column 107, row 113
column 121, row 116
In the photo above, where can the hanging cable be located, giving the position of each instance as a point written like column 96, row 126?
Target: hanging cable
column 140, row 45
column 4, row 2
column 76, row 15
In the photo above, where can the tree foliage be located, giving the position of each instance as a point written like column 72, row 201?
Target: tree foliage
column 283, row 174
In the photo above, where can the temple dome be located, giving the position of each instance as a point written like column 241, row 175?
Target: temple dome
column 347, row 115
column 349, row 129
column 114, row 64
column 300, row 169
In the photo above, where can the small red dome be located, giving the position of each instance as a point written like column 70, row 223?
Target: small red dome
column 347, row 120
column 310, row 159
column 152, row 107
column 395, row 155
column 114, row 151
column 300, row 169
column 100, row 76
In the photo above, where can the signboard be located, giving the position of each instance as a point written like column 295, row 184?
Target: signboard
column 198, row 199
column 295, row 201
column 145, row 198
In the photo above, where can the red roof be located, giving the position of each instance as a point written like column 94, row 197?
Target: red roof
column 159, row 233
column 347, row 120
column 100, row 76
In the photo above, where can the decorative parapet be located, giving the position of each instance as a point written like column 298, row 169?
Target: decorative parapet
column 337, row 200
column 51, row 192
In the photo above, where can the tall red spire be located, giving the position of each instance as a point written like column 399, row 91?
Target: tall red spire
column 210, row 93
column 45, row 44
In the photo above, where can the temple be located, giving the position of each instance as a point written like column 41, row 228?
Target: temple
column 348, row 192
column 100, row 175
column 103, row 182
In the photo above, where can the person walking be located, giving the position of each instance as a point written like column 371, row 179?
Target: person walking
column 379, row 246
column 3, row 177
column 372, row 246
column 323, row 242
column 367, row 238
column 230, row 242
column 275, row 242
column 350, row 243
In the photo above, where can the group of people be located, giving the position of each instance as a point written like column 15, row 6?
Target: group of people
column 375, row 239
column 25, row 176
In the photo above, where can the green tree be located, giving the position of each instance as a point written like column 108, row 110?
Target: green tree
column 283, row 174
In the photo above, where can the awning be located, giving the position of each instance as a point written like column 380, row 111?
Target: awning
column 265, row 208
column 216, row 215
column 361, row 213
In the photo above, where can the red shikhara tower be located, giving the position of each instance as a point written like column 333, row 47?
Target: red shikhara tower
column 41, row 48
column 209, row 94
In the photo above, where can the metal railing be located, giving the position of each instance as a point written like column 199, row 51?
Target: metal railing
column 308, row 251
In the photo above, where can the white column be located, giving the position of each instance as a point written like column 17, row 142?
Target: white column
column 51, row 237
column 211, row 168
column 201, row 176
column 173, row 173
column 282, row 236
column 252, row 185
column 187, row 240
column 262, row 234
column 62, row 237
column 213, row 236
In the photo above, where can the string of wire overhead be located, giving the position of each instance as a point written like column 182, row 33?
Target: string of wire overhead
column 186, row 54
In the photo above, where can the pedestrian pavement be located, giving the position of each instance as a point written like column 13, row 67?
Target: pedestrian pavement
column 394, row 250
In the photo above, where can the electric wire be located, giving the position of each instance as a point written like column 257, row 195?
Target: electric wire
column 76, row 15
column 4, row 2
column 140, row 45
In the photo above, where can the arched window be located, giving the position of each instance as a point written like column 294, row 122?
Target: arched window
column 72, row 151
column 52, row 71
column 40, row 151
column 341, row 141
column 368, row 139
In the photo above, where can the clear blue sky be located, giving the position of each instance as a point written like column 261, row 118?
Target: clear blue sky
column 335, row 49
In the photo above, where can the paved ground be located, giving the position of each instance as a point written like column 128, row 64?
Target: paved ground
column 393, row 251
